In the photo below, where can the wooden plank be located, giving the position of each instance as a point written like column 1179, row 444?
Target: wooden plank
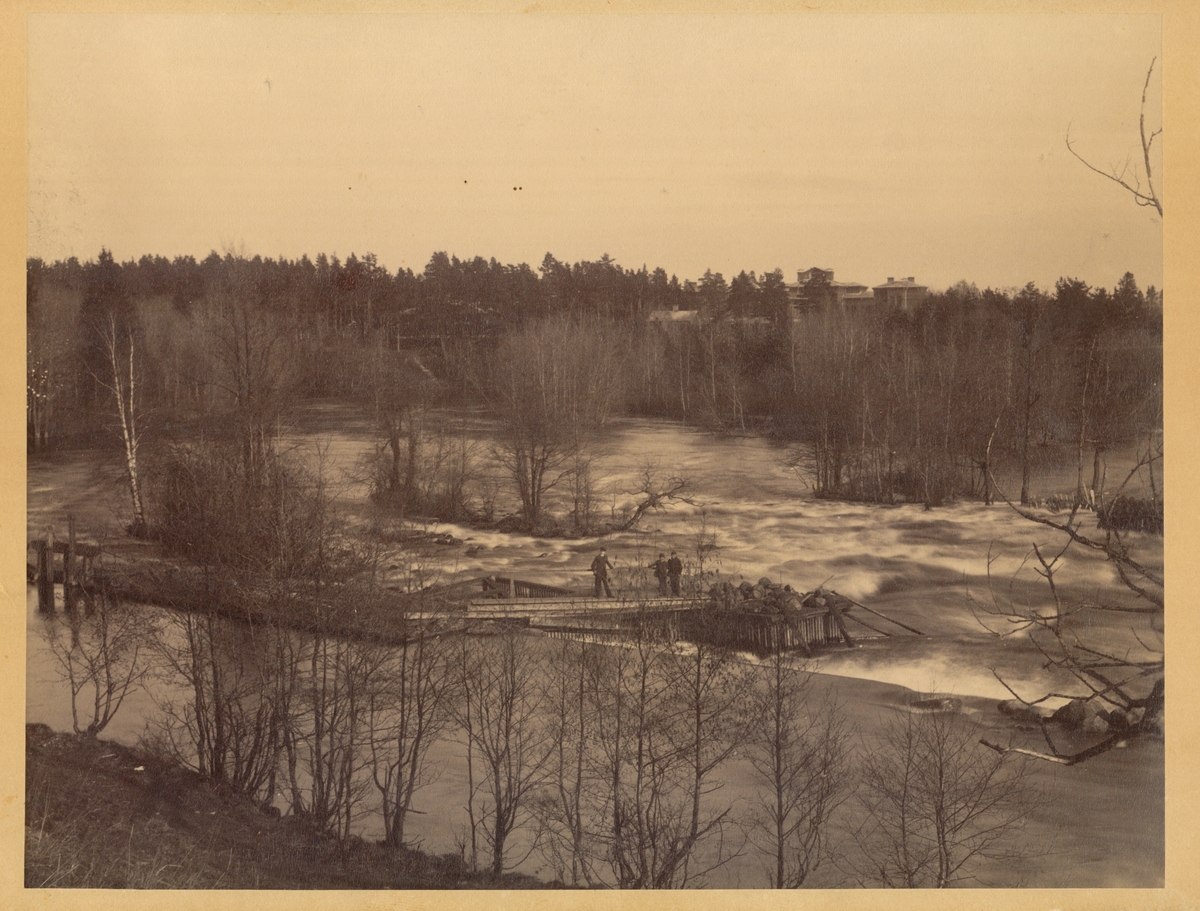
column 884, row 616
column 870, row 627
column 82, row 548
column 837, row 618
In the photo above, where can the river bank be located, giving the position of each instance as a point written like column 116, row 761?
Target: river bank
column 1095, row 825
column 102, row 815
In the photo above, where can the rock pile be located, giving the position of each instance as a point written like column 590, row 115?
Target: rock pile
column 769, row 597
column 1089, row 716
column 1092, row 717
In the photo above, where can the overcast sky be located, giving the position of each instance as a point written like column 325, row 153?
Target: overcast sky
column 877, row 146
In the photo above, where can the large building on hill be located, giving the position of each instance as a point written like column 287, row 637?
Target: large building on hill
column 815, row 288
column 904, row 293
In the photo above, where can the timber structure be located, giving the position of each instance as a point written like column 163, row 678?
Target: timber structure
column 811, row 621
column 76, row 572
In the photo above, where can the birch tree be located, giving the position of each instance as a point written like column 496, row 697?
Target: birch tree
column 121, row 381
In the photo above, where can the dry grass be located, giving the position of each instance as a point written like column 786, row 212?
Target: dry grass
column 98, row 815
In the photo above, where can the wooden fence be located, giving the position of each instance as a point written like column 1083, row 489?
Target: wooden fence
column 761, row 634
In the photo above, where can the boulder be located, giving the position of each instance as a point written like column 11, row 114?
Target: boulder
column 1156, row 726
column 1073, row 715
column 1096, row 726
column 1117, row 720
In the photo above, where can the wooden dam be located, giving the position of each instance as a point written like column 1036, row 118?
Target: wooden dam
column 763, row 618
column 749, row 619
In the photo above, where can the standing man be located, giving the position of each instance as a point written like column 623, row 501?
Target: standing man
column 674, row 571
column 660, row 573
column 600, row 568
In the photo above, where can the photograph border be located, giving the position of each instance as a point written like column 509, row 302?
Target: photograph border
column 1181, row 76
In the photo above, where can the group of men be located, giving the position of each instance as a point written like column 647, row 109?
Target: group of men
column 667, row 572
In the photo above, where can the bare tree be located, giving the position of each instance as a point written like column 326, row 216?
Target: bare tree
column 106, row 657
column 263, row 701
column 1115, row 668
column 339, row 681
column 231, row 724
column 1078, row 639
column 501, row 710
column 408, row 713
column 800, row 753
column 652, row 493
column 1127, row 175
column 553, row 386
column 121, row 381
column 569, row 810
column 938, row 806
column 1026, row 313
column 51, row 318
column 252, row 362
column 646, row 833
column 402, row 391
column 648, row 766
column 711, row 707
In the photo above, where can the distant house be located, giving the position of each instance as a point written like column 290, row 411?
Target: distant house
column 816, row 288
column 809, row 276
column 674, row 317
column 903, row 293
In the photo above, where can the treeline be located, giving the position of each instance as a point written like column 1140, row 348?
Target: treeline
column 928, row 404
column 891, row 404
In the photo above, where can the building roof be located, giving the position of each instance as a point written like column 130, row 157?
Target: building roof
column 900, row 283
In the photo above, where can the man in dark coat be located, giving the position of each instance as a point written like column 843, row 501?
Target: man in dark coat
column 660, row 573
column 674, row 571
column 600, row 568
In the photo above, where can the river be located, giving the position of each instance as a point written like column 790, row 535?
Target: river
column 925, row 568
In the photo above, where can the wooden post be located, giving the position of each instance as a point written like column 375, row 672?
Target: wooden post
column 841, row 624
column 46, row 574
column 45, row 588
column 69, row 568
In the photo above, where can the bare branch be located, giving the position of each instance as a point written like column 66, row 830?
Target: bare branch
column 1147, row 197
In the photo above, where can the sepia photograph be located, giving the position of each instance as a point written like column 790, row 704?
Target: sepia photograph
column 633, row 451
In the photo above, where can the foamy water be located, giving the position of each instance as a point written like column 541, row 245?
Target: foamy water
column 922, row 567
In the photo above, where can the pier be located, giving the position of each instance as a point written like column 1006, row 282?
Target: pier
column 75, row 571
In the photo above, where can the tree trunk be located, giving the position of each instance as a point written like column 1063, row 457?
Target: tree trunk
column 125, row 390
column 1098, row 472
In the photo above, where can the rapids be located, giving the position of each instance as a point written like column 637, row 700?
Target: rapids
column 753, row 516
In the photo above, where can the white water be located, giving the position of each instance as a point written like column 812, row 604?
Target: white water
column 914, row 565
column 919, row 566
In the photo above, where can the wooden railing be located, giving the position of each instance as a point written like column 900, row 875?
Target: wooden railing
column 500, row 587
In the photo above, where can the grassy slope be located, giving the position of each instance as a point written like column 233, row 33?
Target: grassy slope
column 99, row 815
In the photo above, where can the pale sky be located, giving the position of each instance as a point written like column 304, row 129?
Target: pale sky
column 874, row 145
